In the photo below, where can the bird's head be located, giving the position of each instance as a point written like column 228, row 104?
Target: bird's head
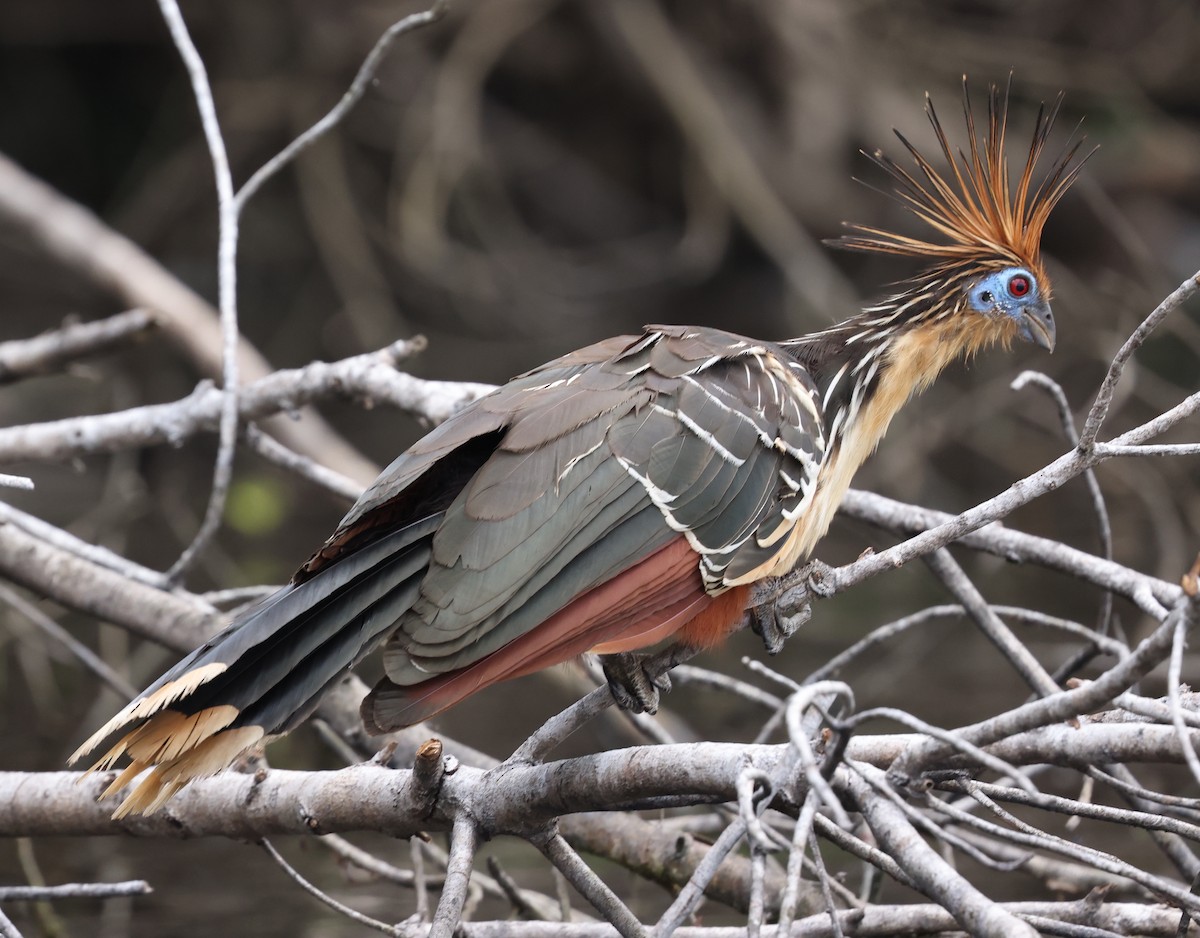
column 1013, row 299
column 985, row 268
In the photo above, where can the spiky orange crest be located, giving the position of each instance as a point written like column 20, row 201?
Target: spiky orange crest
column 973, row 205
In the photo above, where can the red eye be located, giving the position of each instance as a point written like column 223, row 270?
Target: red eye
column 1019, row 285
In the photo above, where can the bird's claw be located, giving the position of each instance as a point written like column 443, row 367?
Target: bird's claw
column 775, row 629
column 768, row 618
column 637, row 680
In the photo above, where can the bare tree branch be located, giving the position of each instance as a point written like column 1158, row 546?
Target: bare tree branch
column 362, row 80
column 324, row 897
column 136, row 887
column 22, row 357
column 1151, row 594
column 1104, row 396
column 590, row 886
column 227, row 246
column 370, row 377
column 81, row 242
column 748, row 825
column 931, row 874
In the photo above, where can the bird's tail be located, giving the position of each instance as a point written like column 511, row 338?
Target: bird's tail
column 265, row 673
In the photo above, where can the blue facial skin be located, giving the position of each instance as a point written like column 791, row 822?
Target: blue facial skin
column 1014, row 292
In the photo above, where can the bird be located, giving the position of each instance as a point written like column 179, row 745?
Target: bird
column 637, row 490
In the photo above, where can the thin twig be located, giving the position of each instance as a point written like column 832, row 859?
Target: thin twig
column 590, row 886
column 1099, row 508
column 420, row 879
column 950, row 739
column 88, row 658
column 92, row 553
column 1154, row 427
column 822, row 695
column 229, row 207
column 922, row 822
column 693, row 891
column 512, row 891
column 1070, row 806
column 978, row 914
column 368, row 862
column 795, row 865
column 822, row 580
column 1149, row 449
column 761, row 667
column 1066, row 704
column 1124, row 781
column 894, row 629
column 826, row 890
column 275, row 452
column 1189, row 711
column 754, row 791
column 1021, row 658
column 1031, row 836
column 859, row 848
column 45, row 352
column 1104, row 396
column 327, row 899
column 133, row 887
column 1057, row 929
column 362, row 81
column 690, row 674
column 755, row 916
column 82, row 243
column 227, row 239
column 1149, row 593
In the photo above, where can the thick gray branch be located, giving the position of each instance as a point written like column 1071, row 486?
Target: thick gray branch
column 178, row 619
column 514, row 799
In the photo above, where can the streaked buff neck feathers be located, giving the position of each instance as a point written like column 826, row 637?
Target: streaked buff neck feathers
column 911, row 361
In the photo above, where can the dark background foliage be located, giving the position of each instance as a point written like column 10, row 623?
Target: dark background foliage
column 529, row 176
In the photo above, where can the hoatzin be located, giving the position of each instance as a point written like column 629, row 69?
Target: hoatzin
column 629, row 492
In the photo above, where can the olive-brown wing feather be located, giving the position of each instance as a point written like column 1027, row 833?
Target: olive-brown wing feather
column 701, row 426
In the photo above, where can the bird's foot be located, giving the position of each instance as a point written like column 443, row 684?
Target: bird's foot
column 778, row 607
column 775, row 629
column 638, row 679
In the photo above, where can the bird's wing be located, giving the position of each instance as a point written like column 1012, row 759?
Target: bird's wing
column 686, row 435
column 267, row 668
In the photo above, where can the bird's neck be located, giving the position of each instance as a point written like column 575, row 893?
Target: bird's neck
column 866, row 368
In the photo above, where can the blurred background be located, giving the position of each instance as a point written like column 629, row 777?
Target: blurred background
column 528, row 176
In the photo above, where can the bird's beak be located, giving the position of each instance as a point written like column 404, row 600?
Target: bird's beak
column 1037, row 326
